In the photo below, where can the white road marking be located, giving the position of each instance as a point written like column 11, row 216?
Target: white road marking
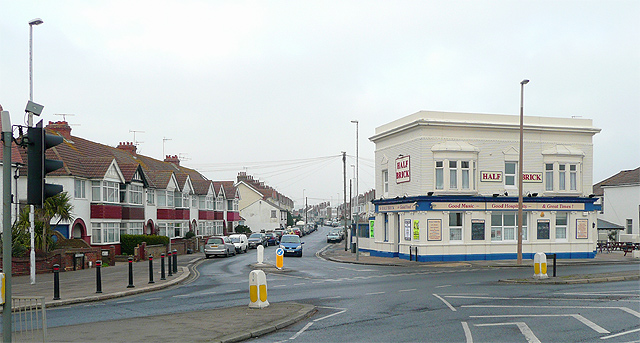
column 232, row 290
column 301, row 331
column 445, row 302
column 407, row 290
column 336, row 297
column 182, row 296
column 621, row 333
column 526, row 331
column 467, row 332
column 207, row 293
column 374, row 293
column 124, row 301
column 98, row 304
column 149, row 299
column 582, row 319
column 342, row 310
column 299, row 284
column 625, row 309
column 278, row 286
column 525, row 298
column 443, row 286
column 594, row 293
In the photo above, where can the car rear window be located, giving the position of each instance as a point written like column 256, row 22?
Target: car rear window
column 215, row 241
column 235, row 239
column 255, row 235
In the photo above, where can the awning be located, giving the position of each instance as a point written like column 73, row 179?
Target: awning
column 605, row 225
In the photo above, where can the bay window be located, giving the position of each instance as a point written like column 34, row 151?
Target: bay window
column 105, row 233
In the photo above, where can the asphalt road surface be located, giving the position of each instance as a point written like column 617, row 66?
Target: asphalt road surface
column 362, row 303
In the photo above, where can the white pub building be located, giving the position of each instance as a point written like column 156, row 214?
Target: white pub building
column 448, row 187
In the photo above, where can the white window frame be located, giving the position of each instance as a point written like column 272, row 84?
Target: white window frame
column 450, row 175
column 151, row 196
column 512, row 229
column 79, row 189
column 385, row 182
column 510, row 176
column 561, row 227
column 105, row 233
column 135, row 194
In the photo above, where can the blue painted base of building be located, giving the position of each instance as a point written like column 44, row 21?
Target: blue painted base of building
column 477, row 257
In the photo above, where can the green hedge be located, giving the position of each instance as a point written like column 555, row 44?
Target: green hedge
column 129, row 242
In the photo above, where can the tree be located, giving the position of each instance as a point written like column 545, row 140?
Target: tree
column 58, row 206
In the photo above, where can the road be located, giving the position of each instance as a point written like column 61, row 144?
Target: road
column 383, row 303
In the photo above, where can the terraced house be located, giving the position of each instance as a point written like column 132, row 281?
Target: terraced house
column 116, row 191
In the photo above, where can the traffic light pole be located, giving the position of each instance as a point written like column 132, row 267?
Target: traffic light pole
column 7, row 137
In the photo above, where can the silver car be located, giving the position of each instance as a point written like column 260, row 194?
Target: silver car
column 219, row 245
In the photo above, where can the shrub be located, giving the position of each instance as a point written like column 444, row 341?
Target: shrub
column 243, row 229
column 189, row 234
column 129, row 242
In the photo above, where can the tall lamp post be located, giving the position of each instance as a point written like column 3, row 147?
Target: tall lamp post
column 522, row 83
column 357, row 194
column 32, row 254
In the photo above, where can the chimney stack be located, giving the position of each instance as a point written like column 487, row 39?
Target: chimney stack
column 173, row 159
column 62, row 128
column 128, row 146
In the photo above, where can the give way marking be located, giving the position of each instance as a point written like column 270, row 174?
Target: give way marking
column 340, row 311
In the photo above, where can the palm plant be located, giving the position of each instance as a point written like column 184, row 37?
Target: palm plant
column 58, row 206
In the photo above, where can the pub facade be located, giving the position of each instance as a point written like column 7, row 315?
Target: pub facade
column 448, row 187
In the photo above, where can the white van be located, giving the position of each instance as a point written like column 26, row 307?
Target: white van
column 240, row 242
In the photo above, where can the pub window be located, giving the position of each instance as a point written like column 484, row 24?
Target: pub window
column 464, row 166
column 548, row 176
column 455, row 226
column 561, row 225
column 510, row 173
column 573, row 177
column 439, row 174
column 543, row 229
column 385, row 181
column 504, row 226
column 562, row 172
column 453, row 174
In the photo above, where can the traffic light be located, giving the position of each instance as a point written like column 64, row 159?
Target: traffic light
column 38, row 165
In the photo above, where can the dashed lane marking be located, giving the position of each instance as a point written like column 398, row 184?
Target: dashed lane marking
column 523, row 327
column 375, row 293
column 580, row 318
column 407, row 290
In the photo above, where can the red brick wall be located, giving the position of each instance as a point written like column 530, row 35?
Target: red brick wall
column 218, row 215
column 233, row 216
column 168, row 214
column 106, row 211
column 133, row 213
column 206, row 215
column 62, row 257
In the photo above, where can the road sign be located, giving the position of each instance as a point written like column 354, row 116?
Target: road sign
column 279, row 258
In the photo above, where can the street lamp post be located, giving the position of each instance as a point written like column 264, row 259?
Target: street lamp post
column 522, row 83
column 357, row 194
column 32, row 254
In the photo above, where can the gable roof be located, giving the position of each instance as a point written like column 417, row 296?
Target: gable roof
column 623, row 178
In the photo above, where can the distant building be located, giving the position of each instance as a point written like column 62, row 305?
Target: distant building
column 447, row 183
column 620, row 200
column 261, row 206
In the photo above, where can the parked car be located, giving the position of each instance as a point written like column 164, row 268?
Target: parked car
column 257, row 239
column 279, row 233
column 334, row 235
column 272, row 239
column 219, row 245
column 291, row 245
column 240, row 242
column 296, row 231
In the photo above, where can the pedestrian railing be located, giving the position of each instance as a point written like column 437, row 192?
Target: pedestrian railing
column 29, row 319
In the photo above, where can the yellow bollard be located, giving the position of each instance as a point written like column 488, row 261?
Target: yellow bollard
column 279, row 258
column 258, row 289
column 540, row 266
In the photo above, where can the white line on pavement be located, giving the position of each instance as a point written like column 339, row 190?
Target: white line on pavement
column 526, row 331
column 301, row 331
column 374, row 293
column 182, row 295
column 620, row 333
column 407, row 290
column 299, row 284
column 149, row 299
column 625, row 309
column 278, row 286
column 342, row 310
column 443, row 286
column 445, row 302
column 124, row 302
column 206, row 293
column 582, row 319
column 525, row 298
column 467, row 332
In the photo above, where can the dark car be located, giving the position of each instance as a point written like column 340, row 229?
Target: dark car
column 257, row 239
column 291, row 245
column 272, row 239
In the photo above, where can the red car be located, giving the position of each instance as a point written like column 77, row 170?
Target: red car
column 297, row 232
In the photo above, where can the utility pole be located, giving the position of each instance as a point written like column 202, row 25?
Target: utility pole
column 344, row 193
column 7, row 137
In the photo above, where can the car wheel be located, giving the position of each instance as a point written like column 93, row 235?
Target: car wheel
column 206, row 256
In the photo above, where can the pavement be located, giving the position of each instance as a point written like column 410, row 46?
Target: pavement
column 238, row 323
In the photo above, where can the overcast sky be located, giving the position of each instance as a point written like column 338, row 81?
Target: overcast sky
column 270, row 87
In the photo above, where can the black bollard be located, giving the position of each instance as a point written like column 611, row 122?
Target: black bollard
column 169, row 263
column 56, row 282
column 130, row 273
column 175, row 261
column 151, row 269
column 162, row 267
column 98, row 276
